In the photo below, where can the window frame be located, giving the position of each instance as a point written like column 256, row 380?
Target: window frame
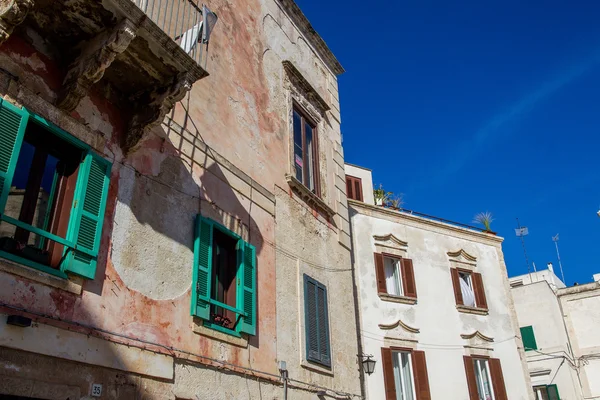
column 240, row 277
column 478, row 373
column 546, row 388
column 351, row 182
column 409, row 352
column 528, row 330
column 305, row 118
column 399, row 272
column 318, row 361
column 72, row 248
column 476, row 285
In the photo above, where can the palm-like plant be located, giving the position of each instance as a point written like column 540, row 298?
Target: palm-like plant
column 485, row 219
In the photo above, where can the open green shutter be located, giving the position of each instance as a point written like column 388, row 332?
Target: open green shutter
column 87, row 215
column 202, row 267
column 13, row 122
column 553, row 392
column 528, row 338
column 248, row 292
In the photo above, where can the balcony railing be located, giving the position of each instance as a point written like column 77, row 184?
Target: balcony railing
column 181, row 20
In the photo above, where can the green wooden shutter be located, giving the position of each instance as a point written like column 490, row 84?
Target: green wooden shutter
column 316, row 322
column 13, row 122
column 553, row 392
column 87, row 215
column 203, row 241
column 247, row 293
column 528, row 338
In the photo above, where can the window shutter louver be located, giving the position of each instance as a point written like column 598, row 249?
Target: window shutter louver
column 471, row 382
column 388, row 374
column 408, row 278
column 358, row 189
column 311, row 320
column 87, row 217
column 528, row 338
column 553, row 392
column 456, row 285
column 497, row 379
column 480, row 299
column 248, row 295
column 13, row 122
column 202, row 267
column 380, row 273
column 421, row 378
column 324, row 350
column 349, row 188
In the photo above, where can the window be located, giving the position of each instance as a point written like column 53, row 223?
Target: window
column 405, row 374
column 485, row 380
column 354, row 188
column 468, row 288
column 546, row 392
column 395, row 275
column 528, row 338
column 305, row 152
column 53, row 196
column 224, row 287
column 316, row 321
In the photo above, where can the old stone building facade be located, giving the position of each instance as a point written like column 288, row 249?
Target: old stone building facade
column 196, row 242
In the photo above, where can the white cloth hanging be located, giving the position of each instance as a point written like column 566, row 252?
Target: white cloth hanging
column 467, row 293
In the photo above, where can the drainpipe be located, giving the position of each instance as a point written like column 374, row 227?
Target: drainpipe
column 284, row 375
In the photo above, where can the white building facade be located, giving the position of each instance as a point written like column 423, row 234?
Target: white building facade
column 559, row 327
column 434, row 304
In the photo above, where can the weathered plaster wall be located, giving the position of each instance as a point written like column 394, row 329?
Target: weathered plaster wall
column 537, row 305
column 435, row 315
column 223, row 153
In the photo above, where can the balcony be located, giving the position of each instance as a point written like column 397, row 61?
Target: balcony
column 142, row 55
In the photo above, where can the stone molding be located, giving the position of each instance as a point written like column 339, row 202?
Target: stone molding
column 472, row 310
column 461, row 254
column 397, row 299
column 12, row 14
column 478, row 335
column 401, row 324
column 308, row 196
column 306, row 90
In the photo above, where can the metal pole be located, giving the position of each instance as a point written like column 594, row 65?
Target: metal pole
column 555, row 240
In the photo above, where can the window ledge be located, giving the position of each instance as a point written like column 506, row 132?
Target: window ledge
column 317, row 367
column 397, row 299
column 309, row 196
column 199, row 328
column 472, row 310
column 72, row 284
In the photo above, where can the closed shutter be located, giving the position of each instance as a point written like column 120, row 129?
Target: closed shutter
column 528, row 338
column 87, row 217
column 471, row 382
column 388, row 374
column 349, row 188
column 323, row 316
column 358, row 189
column 13, row 122
column 317, row 322
column 354, row 188
column 380, row 273
column 421, row 378
column 456, row 285
column 497, row 379
column 202, row 270
column 248, row 288
column 553, row 392
column 480, row 299
column 408, row 278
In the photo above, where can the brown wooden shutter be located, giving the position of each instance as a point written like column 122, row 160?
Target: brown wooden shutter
column 480, row 299
column 408, row 278
column 388, row 374
column 497, row 379
column 349, row 188
column 380, row 273
column 471, row 382
column 358, row 189
column 456, row 284
column 421, row 379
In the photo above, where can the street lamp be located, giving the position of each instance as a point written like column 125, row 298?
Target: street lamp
column 368, row 363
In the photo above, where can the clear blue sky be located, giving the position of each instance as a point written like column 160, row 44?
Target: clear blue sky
column 478, row 106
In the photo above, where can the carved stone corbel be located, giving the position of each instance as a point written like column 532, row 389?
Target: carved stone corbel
column 160, row 103
column 96, row 56
column 12, row 13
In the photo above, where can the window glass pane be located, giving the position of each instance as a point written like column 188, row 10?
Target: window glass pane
column 393, row 277
column 298, row 153
column 224, row 278
column 482, row 376
column 466, row 288
column 541, row 393
column 403, row 377
column 310, row 157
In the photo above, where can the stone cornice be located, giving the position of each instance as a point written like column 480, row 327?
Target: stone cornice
column 478, row 335
column 401, row 217
column 302, row 23
column 401, row 324
column 307, row 89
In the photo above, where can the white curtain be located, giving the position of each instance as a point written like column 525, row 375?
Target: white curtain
column 391, row 277
column 467, row 293
column 403, row 376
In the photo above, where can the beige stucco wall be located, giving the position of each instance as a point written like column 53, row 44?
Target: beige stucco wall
column 537, row 306
column 366, row 180
column 439, row 323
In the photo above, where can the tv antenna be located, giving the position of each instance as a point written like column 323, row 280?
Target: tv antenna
column 555, row 240
column 521, row 232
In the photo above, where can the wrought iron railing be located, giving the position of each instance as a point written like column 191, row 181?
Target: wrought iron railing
column 180, row 19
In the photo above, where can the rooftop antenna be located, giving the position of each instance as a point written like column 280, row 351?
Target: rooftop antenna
column 555, row 240
column 521, row 232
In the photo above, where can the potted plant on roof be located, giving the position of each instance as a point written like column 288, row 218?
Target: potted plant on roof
column 485, row 219
column 381, row 196
column 396, row 201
